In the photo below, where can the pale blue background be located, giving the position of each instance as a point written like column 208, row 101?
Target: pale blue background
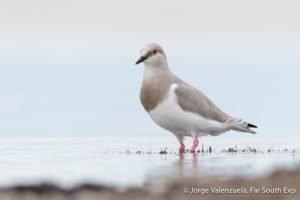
column 67, row 67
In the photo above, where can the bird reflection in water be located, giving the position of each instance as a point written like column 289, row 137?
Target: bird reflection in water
column 183, row 165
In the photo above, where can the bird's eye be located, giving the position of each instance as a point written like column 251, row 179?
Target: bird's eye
column 154, row 51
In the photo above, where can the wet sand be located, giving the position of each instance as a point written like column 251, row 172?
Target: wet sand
column 283, row 185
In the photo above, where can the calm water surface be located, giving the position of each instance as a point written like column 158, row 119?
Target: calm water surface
column 132, row 162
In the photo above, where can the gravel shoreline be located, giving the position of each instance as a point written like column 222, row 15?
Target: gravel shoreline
column 281, row 185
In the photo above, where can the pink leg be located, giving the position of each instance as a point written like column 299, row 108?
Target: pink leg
column 182, row 147
column 195, row 144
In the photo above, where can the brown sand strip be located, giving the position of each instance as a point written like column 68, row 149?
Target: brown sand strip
column 280, row 182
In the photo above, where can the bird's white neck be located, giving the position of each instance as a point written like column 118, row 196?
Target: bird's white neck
column 154, row 70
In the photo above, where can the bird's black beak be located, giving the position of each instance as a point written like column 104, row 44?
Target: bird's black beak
column 141, row 59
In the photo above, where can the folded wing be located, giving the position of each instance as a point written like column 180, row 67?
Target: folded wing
column 192, row 100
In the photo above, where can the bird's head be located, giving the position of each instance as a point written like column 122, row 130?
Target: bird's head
column 152, row 55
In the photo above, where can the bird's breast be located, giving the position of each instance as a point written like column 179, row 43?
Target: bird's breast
column 152, row 93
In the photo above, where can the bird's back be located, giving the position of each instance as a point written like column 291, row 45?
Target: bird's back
column 192, row 100
column 155, row 89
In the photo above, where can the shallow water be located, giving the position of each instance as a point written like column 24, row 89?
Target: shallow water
column 132, row 162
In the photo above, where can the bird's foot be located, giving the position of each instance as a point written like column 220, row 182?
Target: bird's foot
column 181, row 148
column 181, row 151
column 195, row 145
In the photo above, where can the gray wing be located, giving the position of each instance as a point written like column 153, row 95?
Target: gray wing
column 192, row 100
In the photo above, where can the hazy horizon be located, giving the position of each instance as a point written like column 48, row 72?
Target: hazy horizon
column 67, row 67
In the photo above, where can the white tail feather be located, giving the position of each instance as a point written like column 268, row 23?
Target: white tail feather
column 239, row 125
